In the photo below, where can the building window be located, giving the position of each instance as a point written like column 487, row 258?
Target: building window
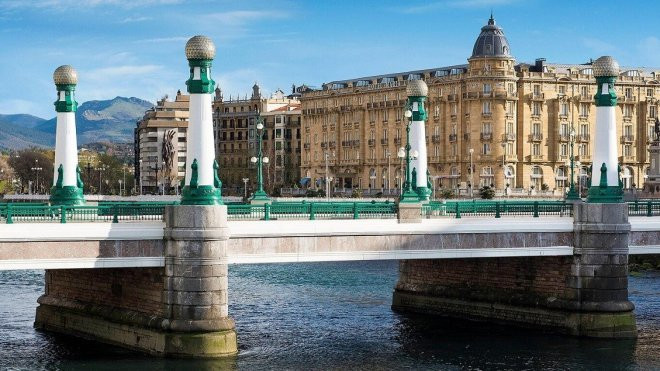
column 562, row 89
column 485, row 149
column 454, row 108
column 563, row 150
column 628, row 130
column 563, row 109
column 584, row 109
column 652, row 111
column 627, row 150
column 487, row 88
column 537, row 90
column 436, row 111
column 536, row 149
column 627, row 110
column 536, row 108
column 486, row 128
column 486, row 108
column 536, row 128
column 584, row 91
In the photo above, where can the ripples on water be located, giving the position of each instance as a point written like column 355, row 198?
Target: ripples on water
column 333, row 316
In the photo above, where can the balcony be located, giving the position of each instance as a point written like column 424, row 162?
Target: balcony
column 564, row 137
column 306, row 145
column 627, row 98
column 435, row 138
column 333, row 144
column 537, row 96
column 536, row 158
column 627, row 138
column 630, row 159
column 510, row 158
column 452, row 137
column 452, row 97
column 453, row 117
column 397, row 141
column 452, row 158
column 486, row 136
column 486, row 115
column 583, row 137
column 586, row 98
column 355, row 143
column 535, row 137
column 384, row 141
column 509, row 137
column 583, row 158
column 372, row 142
column 466, row 136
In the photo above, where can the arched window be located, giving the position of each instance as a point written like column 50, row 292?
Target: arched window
column 561, row 178
column 536, row 178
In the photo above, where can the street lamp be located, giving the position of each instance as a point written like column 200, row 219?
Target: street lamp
column 572, row 193
column 471, row 174
column 140, row 176
column 408, row 194
column 245, row 182
column 260, row 195
column 504, row 186
column 37, row 169
column 401, row 154
column 327, row 175
column 100, row 170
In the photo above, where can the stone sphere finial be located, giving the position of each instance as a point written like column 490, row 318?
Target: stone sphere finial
column 65, row 75
column 417, row 88
column 200, row 47
column 606, row 66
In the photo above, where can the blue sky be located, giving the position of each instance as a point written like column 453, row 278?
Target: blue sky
column 135, row 48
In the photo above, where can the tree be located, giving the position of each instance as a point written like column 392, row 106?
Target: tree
column 6, row 175
column 23, row 162
column 487, row 192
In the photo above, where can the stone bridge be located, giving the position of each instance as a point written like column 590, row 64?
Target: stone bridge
column 161, row 287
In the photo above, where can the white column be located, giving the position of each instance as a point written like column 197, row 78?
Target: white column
column 606, row 150
column 200, row 144
column 66, row 148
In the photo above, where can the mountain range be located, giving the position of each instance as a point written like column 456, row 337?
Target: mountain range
column 96, row 121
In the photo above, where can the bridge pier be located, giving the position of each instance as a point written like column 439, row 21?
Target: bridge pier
column 176, row 311
column 584, row 295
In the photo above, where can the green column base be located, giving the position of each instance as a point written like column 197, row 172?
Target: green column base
column 409, row 196
column 605, row 194
column 201, row 195
column 260, row 197
column 67, row 195
column 423, row 194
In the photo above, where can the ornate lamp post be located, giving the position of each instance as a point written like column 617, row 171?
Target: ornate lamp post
column 67, row 186
column 572, row 192
column 605, row 181
column 416, row 91
column 260, row 195
column 201, row 184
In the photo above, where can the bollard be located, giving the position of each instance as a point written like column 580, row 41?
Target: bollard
column 115, row 217
column 267, row 211
column 355, row 211
column 62, row 214
column 458, row 211
column 536, row 209
column 648, row 209
column 311, row 211
column 9, row 218
column 497, row 209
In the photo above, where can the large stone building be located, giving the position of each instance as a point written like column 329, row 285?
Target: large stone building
column 236, row 138
column 511, row 120
column 160, row 146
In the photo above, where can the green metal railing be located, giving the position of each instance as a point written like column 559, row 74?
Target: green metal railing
column 125, row 211
column 497, row 209
column 313, row 211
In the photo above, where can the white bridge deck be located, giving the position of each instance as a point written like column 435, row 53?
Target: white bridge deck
column 307, row 241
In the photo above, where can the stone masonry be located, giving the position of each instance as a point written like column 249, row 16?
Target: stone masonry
column 584, row 294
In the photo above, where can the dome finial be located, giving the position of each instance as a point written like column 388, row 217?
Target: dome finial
column 605, row 66
column 200, row 47
column 65, row 75
column 491, row 20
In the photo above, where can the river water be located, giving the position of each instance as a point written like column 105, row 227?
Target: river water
column 334, row 316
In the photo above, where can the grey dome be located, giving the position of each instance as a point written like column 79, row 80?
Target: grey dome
column 491, row 42
column 200, row 47
column 65, row 75
column 606, row 66
column 417, row 88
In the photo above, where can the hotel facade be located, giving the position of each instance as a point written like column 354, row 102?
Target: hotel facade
column 491, row 121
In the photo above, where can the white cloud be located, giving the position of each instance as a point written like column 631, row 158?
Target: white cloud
column 649, row 47
column 135, row 19
column 164, row 39
column 597, row 45
column 242, row 17
column 455, row 4
column 60, row 4
column 11, row 106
